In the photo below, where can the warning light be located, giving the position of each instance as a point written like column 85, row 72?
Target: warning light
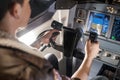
column 113, row 38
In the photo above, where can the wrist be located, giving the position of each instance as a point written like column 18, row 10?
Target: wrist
column 89, row 57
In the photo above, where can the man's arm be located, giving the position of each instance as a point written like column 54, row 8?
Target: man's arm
column 91, row 51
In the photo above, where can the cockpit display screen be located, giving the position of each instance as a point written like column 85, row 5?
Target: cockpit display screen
column 98, row 22
column 115, row 34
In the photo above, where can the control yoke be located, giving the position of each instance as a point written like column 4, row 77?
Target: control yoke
column 70, row 39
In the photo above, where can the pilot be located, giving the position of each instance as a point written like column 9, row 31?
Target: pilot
column 20, row 62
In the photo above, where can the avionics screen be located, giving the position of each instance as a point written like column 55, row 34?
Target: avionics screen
column 98, row 22
column 115, row 34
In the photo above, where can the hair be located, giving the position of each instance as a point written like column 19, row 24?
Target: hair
column 6, row 5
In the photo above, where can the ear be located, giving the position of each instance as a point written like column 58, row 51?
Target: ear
column 16, row 10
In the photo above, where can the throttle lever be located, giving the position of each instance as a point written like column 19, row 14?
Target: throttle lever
column 93, row 37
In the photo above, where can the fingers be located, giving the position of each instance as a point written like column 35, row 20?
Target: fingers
column 89, row 42
column 54, row 30
column 52, row 34
column 92, row 49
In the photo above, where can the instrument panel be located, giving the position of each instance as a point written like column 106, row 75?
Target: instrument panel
column 99, row 23
column 98, row 18
column 107, row 26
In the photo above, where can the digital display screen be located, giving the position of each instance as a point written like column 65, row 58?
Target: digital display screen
column 115, row 34
column 99, row 23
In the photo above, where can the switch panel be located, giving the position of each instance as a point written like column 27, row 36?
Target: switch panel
column 109, row 57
